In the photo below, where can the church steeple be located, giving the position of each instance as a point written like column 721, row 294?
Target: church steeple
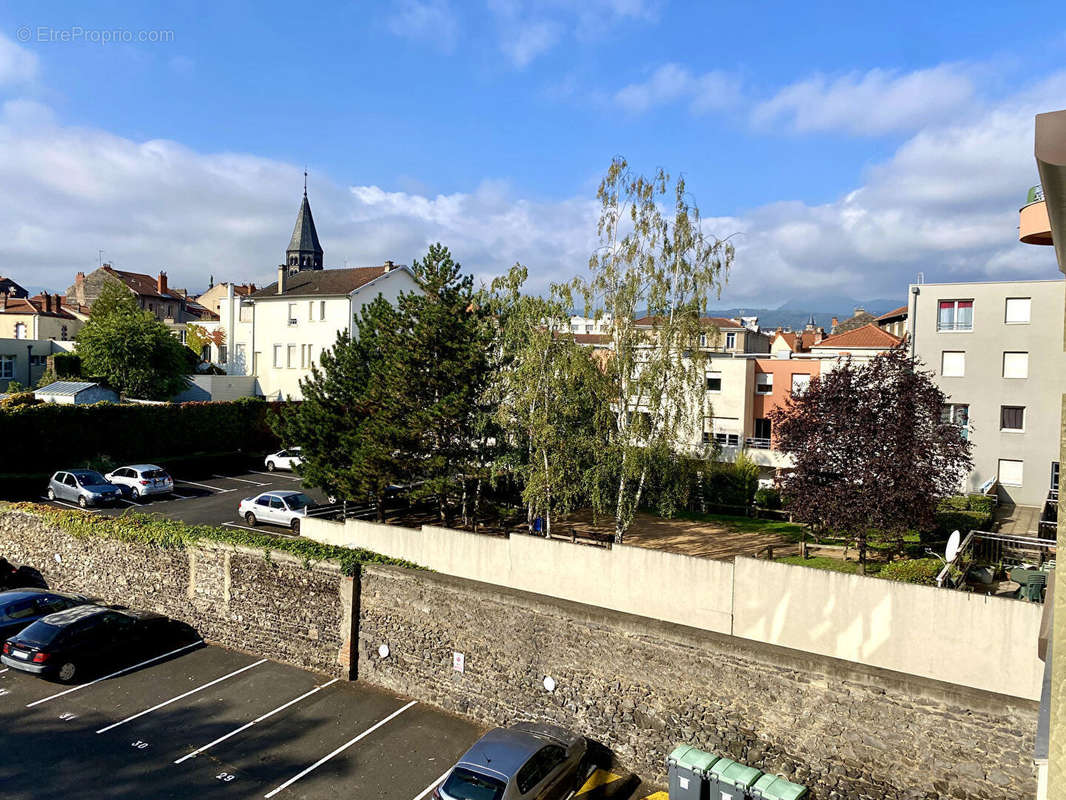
column 304, row 251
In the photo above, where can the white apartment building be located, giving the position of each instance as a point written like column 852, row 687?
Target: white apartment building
column 989, row 349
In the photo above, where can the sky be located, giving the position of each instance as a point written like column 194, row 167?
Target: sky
column 845, row 148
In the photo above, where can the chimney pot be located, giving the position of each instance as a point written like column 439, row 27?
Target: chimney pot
column 388, row 266
column 281, row 279
column 161, row 283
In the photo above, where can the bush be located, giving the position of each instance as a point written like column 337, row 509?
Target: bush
column 979, row 502
column 19, row 400
column 964, row 521
column 65, row 365
column 917, row 570
column 768, row 497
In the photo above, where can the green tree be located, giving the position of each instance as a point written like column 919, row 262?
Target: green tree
column 133, row 353
column 551, row 401
column 114, row 298
column 664, row 265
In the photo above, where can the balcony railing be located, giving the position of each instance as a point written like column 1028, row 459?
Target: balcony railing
column 954, row 325
column 998, row 549
column 757, row 442
column 1035, row 195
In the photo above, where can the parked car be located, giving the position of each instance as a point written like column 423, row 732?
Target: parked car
column 86, row 487
column 21, row 607
column 83, row 639
column 284, row 459
column 141, row 480
column 526, row 760
column 12, row 577
column 277, row 508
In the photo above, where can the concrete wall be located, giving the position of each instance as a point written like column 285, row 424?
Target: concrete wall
column 642, row 686
column 217, row 388
column 983, row 387
column 984, row 643
column 40, row 348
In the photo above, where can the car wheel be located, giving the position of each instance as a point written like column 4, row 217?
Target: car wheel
column 51, row 494
column 271, row 466
column 135, row 493
column 82, row 501
column 295, row 525
column 250, row 519
column 67, row 672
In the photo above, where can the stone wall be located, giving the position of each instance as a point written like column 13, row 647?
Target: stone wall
column 234, row 596
column 641, row 687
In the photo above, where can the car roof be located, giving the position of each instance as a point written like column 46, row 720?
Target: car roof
column 74, row 614
column 502, row 750
column 12, row 595
column 139, row 467
column 281, row 493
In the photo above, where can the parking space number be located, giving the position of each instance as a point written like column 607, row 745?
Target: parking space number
column 139, row 744
column 225, row 777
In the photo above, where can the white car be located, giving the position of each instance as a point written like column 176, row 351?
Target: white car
column 284, row 459
column 276, row 508
column 141, row 480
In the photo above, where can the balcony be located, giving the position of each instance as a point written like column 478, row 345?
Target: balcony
column 1033, row 224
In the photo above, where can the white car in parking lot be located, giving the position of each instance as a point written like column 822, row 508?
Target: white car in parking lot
column 284, row 459
column 285, row 508
column 142, row 480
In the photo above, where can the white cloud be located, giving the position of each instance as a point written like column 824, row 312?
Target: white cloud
column 431, row 21
column 525, row 41
column 872, row 103
column 669, row 83
column 17, row 65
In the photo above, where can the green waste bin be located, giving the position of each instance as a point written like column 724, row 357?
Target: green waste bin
column 731, row 780
column 771, row 787
column 687, row 767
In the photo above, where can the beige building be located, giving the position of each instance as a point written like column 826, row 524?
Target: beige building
column 38, row 317
column 212, row 299
column 988, row 347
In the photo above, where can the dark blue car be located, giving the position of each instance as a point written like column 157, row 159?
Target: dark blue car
column 20, row 607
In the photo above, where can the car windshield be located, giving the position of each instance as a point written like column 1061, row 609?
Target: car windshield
column 89, row 478
column 40, row 634
column 298, row 501
column 463, row 784
column 154, row 473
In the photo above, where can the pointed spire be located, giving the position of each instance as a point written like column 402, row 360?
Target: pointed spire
column 304, row 251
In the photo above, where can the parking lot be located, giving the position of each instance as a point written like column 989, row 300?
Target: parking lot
column 208, row 499
column 208, row 722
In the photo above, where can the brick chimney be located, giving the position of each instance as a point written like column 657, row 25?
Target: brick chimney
column 819, row 334
column 161, row 283
column 835, row 322
column 57, row 301
column 47, row 303
column 388, row 266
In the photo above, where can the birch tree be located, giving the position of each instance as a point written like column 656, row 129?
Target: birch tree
column 657, row 259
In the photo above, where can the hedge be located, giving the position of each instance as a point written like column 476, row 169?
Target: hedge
column 154, row 531
column 917, row 570
column 964, row 521
column 43, row 438
column 968, row 502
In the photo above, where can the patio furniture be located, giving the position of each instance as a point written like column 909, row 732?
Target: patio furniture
column 1032, row 583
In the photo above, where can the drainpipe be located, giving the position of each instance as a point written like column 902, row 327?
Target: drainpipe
column 229, row 333
column 29, row 367
column 915, row 290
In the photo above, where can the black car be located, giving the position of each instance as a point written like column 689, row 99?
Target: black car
column 83, row 639
column 21, row 607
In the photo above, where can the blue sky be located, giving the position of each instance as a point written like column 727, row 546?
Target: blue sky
column 850, row 146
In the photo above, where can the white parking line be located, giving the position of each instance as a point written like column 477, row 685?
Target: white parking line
column 71, row 505
column 113, row 674
column 2, row 671
column 433, row 785
column 205, row 486
column 340, row 749
column 259, row 530
column 247, row 725
column 275, row 475
column 180, row 696
column 242, row 480
column 128, row 502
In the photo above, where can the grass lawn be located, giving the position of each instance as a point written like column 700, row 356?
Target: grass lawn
column 793, row 531
column 834, row 564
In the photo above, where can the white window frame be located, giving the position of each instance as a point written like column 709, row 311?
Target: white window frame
column 1014, row 370
column 943, row 363
column 279, row 352
column 806, row 385
column 290, row 356
column 955, row 315
column 321, row 310
column 709, row 376
column 730, row 340
column 1012, row 479
column 1012, row 430
column 1018, row 301
column 20, row 330
column 769, row 382
column 292, row 315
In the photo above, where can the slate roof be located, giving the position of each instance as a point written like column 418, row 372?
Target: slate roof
column 896, row 312
column 723, row 323
column 304, row 235
column 868, row 336
column 860, row 318
column 66, row 387
column 311, row 283
column 140, row 283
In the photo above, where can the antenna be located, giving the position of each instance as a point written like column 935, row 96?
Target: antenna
column 100, row 255
column 305, row 181
column 921, row 278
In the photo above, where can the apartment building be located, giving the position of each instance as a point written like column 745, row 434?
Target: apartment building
column 989, row 349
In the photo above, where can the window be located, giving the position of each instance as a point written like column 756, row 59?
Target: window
column 1012, row 418
column 472, row 785
column 707, row 439
column 223, row 352
column 1017, row 311
column 20, row 330
column 953, row 363
column 1015, row 365
column 310, row 310
column 588, row 329
column 7, row 367
column 714, row 381
column 764, row 383
column 730, row 341
column 955, row 315
column 726, row 431
column 1010, row 472
column 245, row 312
column 539, row 767
column 801, row 381
column 1054, row 476
column 240, row 354
column 703, row 340
column 291, row 355
column 277, row 357
column 762, row 429
column 321, row 309
column 305, row 356
column 275, row 503
column 292, row 314
column 955, row 414
column 63, row 333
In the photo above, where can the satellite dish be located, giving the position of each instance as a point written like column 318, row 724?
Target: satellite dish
column 953, row 546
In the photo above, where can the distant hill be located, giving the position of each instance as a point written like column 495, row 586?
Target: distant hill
column 796, row 311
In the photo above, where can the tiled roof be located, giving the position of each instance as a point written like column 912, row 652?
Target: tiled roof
column 896, row 312
column 33, row 305
column 323, row 282
column 592, row 338
column 799, row 342
column 140, row 283
column 867, row 336
column 723, row 323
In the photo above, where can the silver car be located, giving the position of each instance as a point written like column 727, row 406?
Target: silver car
column 142, row 480
column 285, row 508
column 86, row 487
column 526, row 760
